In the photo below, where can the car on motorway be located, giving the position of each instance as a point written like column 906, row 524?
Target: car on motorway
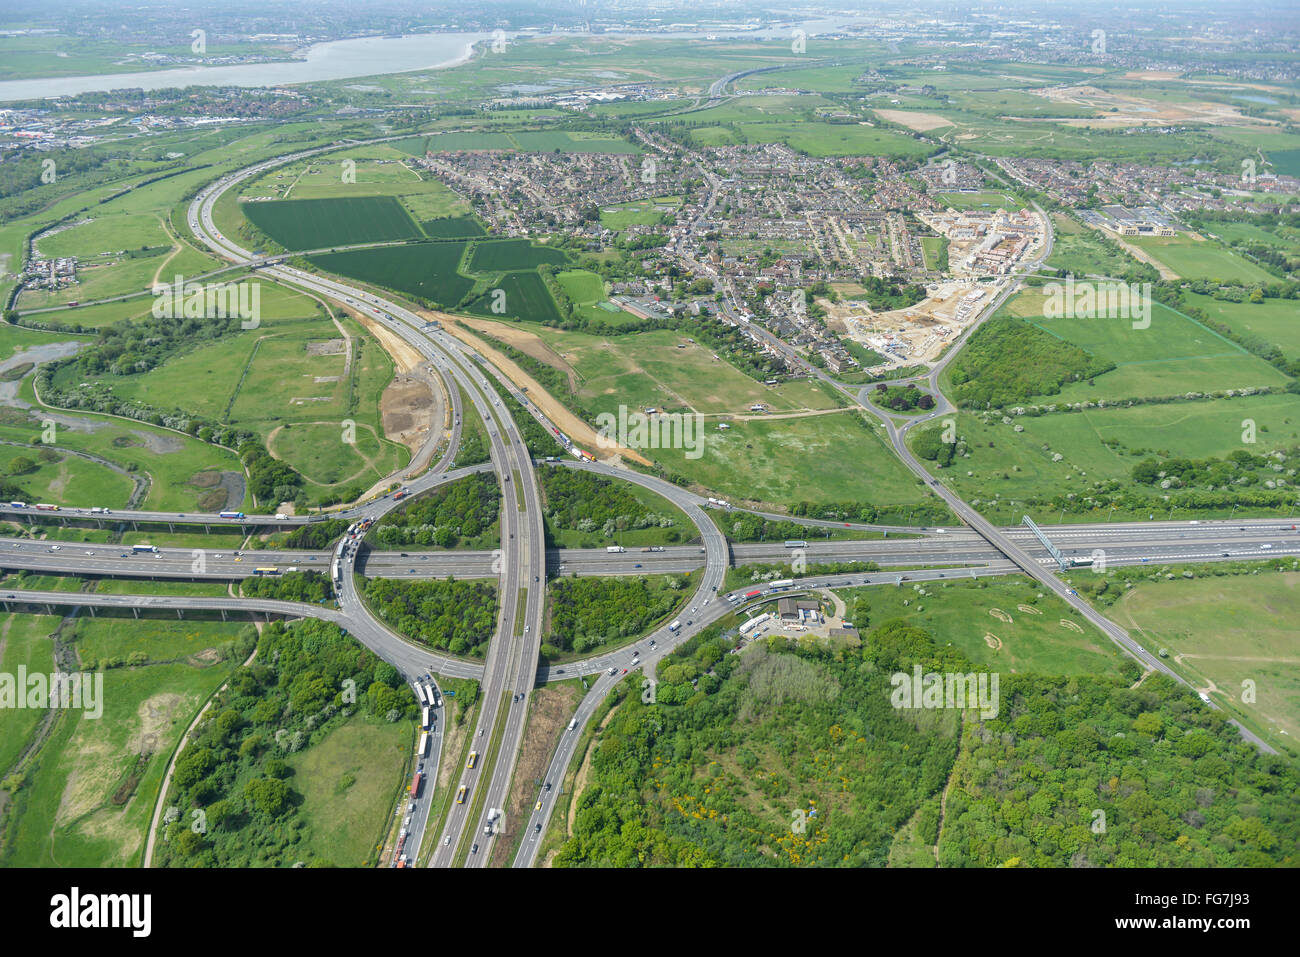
column 446, row 840
column 637, row 565
column 538, row 805
column 474, row 849
column 55, row 548
column 624, row 671
column 90, row 553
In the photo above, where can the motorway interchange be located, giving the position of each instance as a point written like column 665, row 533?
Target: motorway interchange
column 511, row 669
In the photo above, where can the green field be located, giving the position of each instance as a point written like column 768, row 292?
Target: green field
column 649, row 212
column 981, row 199
column 317, row 223
column 453, row 227
column 1006, row 467
column 347, row 782
column 837, row 457
column 492, row 256
column 959, row 612
column 519, row 295
column 181, row 471
column 1274, row 320
column 427, row 270
column 1172, row 356
column 1201, row 260
column 1221, row 632
column 89, row 799
column 649, row 370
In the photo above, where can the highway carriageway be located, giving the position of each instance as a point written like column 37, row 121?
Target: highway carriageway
column 1156, row 543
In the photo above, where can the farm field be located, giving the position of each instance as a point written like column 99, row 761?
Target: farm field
column 1025, row 635
column 453, row 227
column 1201, row 260
column 520, row 296
column 490, row 256
column 1223, row 631
column 317, row 223
column 427, row 270
column 1099, row 445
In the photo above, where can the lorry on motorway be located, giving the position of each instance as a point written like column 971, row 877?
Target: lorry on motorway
column 280, row 516
column 230, row 515
column 425, row 722
column 144, row 548
column 422, row 749
column 676, row 625
column 415, row 784
column 398, row 496
column 17, row 504
column 615, row 549
column 757, row 592
column 782, row 584
column 473, row 760
column 47, row 507
column 573, row 723
column 460, row 795
column 796, row 543
column 657, row 548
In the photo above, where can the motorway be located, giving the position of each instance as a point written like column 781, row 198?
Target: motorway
column 1157, row 542
column 510, row 669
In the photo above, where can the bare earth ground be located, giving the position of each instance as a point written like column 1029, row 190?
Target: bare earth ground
column 578, row 430
column 408, row 408
column 548, row 717
column 921, row 122
column 527, row 343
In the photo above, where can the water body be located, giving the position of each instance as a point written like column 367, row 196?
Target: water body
column 348, row 59
column 337, row 60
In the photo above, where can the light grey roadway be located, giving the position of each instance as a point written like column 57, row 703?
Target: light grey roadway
column 523, row 544
column 1157, row 542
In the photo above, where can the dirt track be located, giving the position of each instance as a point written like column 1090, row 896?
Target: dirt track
column 581, row 433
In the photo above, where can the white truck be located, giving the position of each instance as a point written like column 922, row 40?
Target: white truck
column 675, row 626
column 615, row 549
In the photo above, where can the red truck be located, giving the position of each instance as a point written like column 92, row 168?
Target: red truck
column 753, row 594
column 398, row 496
column 415, row 784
